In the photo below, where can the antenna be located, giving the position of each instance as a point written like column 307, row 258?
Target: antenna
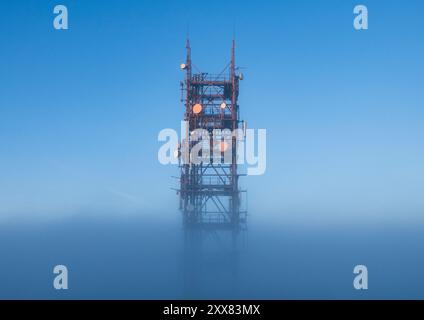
column 188, row 58
column 233, row 59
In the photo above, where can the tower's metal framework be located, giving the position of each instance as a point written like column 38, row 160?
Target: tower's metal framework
column 210, row 195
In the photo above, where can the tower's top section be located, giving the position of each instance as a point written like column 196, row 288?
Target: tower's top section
column 209, row 194
column 230, row 68
column 207, row 95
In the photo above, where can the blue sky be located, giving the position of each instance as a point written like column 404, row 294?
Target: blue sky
column 80, row 109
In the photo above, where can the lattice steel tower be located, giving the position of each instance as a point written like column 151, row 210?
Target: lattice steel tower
column 209, row 191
